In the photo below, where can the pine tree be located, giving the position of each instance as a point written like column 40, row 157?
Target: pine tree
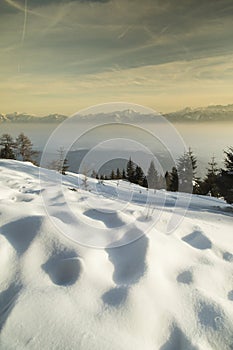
column 152, row 176
column 229, row 159
column 8, row 144
column 167, row 177
column 144, row 182
column 62, row 161
column 112, row 176
column 193, row 160
column 130, row 170
column 118, row 174
column 161, row 182
column 65, row 167
column 185, row 173
column 139, row 175
column 196, row 179
column 172, row 180
column 209, row 185
column 123, row 174
column 225, row 181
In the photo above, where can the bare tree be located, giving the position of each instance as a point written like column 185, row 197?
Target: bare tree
column 60, row 164
column 24, row 148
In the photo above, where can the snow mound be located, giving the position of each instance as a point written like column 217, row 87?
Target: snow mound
column 167, row 292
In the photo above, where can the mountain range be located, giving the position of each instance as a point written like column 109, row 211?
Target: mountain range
column 201, row 114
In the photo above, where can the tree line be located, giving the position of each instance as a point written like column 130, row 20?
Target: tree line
column 20, row 148
column 218, row 182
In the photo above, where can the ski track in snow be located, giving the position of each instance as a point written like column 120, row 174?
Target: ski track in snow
column 166, row 292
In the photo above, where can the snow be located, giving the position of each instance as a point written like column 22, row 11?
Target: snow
column 169, row 288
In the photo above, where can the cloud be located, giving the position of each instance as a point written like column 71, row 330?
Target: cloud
column 106, row 45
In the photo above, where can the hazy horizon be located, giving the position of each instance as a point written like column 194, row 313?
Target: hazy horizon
column 122, row 106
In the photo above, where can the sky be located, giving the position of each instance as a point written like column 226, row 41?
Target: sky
column 60, row 56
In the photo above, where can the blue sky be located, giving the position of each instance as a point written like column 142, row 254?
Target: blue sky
column 61, row 56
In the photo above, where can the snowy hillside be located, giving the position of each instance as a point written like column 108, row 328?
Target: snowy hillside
column 161, row 291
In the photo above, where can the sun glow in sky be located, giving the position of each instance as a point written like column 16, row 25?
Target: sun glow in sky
column 62, row 56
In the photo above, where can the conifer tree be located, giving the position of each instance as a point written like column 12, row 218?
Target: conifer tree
column 172, row 180
column 152, row 176
column 130, row 170
column 139, row 175
column 167, row 177
column 161, row 182
column 210, row 183
column 229, row 159
column 24, row 148
column 8, row 147
column 118, row 174
column 123, row 174
column 65, row 167
column 185, row 172
column 112, row 176
column 193, row 160
column 196, row 179
column 225, row 182
column 144, row 182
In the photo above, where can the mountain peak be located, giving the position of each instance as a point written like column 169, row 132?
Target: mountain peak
column 188, row 114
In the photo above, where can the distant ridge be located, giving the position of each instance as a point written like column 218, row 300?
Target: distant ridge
column 30, row 118
column 200, row 114
column 210, row 113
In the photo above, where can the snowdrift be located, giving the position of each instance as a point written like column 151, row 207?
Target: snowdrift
column 167, row 292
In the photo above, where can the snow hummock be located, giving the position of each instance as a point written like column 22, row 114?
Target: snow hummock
column 158, row 292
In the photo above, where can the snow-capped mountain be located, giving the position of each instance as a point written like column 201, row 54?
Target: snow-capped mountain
column 125, row 116
column 30, row 118
column 210, row 113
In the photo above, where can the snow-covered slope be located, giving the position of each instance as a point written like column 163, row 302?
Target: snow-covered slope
column 162, row 291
